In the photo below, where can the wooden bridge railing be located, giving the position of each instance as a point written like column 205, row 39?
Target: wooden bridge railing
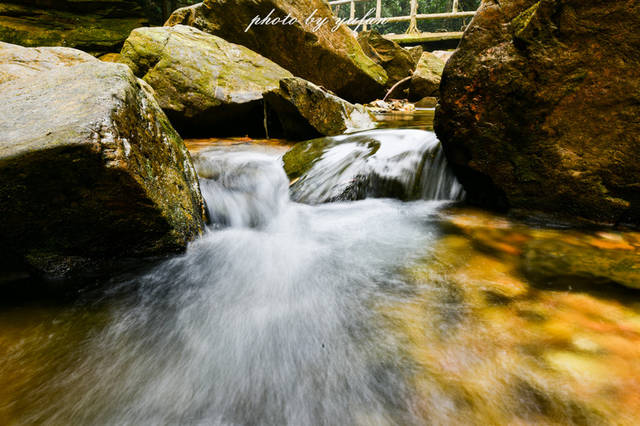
column 413, row 17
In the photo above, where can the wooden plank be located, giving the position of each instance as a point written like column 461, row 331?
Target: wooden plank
column 428, row 16
column 423, row 37
column 339, row 2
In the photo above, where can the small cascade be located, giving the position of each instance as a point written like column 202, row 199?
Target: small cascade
column 404, row 164
column 242, row 189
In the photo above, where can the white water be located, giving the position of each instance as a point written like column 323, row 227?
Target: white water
column 408, row 164
column 270, row 318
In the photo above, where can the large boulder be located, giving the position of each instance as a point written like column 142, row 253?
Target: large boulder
column 205, row 84
column 398, row 62
column 95, row 26
column 332, row 59
column 92, row 175
column 539, row 108
column 426, row 77
column 19, row 62
column 298, row 110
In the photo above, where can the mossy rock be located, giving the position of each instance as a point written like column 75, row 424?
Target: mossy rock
column 94, row 26
column 331, row 59
column 398, row 62
column 206, row 85
column 301, row 157
column 92, row 175
column 426, row 77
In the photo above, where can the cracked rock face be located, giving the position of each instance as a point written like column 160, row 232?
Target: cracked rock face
column 91, row 172
column 539, row 108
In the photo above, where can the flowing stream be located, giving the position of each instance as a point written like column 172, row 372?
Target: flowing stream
column 340, row 313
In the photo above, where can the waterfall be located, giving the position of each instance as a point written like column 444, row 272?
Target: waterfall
column 269, row 317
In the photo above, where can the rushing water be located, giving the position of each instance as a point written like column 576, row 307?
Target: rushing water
column 405, row 164
column 369, row 312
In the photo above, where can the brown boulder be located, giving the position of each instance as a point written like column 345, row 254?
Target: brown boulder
column 539, row 108
column 332, row 59
column 398, row 62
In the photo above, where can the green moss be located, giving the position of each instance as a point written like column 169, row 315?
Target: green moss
column 521, row 22
column 299, row 159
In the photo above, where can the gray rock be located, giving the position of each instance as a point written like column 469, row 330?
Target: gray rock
column 17, row 61
column 92, row 174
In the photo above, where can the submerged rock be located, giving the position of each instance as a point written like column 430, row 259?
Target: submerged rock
column 332, row 59
column 404, row 164
column 398, row 62
column 298, row 109
column 565, row 259
column 92, row 174
column 554, row 261
column 478, row 330
column 426, row 77
column 17, row 61
column 91, row 25
column 539, row 107
column 205, row 84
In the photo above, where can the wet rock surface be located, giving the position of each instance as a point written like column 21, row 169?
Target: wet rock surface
column 92, row 173
column 538, row 107
column 557, row 353
column 403, row 164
